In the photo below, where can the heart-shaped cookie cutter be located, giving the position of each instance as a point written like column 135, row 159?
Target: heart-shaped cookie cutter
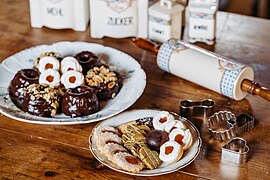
column 235, row 151
column 202, row 108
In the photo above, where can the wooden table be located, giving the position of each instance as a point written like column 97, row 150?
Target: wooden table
column 29, row 151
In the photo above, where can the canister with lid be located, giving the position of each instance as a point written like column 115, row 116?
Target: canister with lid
column 60, row 14
column 202, row 20
column 165, row 20
column 118, row 19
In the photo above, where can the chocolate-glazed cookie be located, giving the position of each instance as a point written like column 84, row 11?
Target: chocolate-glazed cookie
column 106, row 83
column 41, row 100
column 79, row 101
column 87, row 60
column 18, row 84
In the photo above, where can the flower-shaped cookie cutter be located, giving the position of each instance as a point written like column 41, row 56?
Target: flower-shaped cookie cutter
column 235, row 151
column 202, row 108
column 235, row 125
column 219, row 117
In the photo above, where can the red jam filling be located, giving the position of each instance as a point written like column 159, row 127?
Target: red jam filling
column 49, row 78
column 131, row 160
column 178, row 138
column 118, row 151
column 163, row 120
column 110, row 132
column 72, row 79
column 168, row 150
column 48, row 66
column 111, row 141
column 70, row 69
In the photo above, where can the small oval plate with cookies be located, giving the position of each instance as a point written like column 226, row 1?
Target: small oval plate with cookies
column 145, row 142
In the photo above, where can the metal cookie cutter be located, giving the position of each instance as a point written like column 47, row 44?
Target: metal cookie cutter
column 219, row 117
column 202, row 108
column 245, row 123
column 236, row 151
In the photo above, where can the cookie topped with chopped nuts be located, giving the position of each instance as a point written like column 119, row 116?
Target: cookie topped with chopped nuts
column 106, row 83
column 41, row 100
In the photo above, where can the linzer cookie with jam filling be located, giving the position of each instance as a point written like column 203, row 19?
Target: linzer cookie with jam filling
column 41, row 100
column 105, row 82
column 106, row 134
column 109, row 143
column 128, row 162
column 111, row 149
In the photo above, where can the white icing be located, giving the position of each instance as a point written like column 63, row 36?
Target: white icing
column 48, row 60
column 174, row 124
column 70, row 63
column 65, row 79
column 187, row 137
column 187, row 140
column 161, row 125
column 45, row 78
column 174, row 156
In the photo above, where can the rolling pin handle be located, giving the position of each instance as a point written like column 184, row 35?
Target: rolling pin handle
column 146, row 44
column 254, row 88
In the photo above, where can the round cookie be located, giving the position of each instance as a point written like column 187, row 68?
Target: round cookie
column 20, row 82
column 41, row 100
column 79, row 101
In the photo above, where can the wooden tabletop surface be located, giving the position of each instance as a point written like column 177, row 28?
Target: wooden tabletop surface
column 30, row 151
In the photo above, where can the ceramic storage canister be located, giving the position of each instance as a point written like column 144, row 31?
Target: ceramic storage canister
column 118, row 18
column 202, row 20
column 165, row 20
column 60, row 14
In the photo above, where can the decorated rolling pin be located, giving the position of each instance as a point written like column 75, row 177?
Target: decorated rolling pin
column 215, row 72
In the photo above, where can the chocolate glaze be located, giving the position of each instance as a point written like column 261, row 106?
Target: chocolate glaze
column 156, row 138
column 104, row 93
column 87, row 60
column 79, row 101
column 148, row 121
column 39, row 106
column 21, row 80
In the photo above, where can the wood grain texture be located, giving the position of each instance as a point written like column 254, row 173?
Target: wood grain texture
column 29, row 151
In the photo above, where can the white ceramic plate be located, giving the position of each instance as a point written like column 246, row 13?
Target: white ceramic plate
column 189, row 155
column 133, row 85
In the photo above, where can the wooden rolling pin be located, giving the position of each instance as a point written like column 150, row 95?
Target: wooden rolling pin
column 215, row 72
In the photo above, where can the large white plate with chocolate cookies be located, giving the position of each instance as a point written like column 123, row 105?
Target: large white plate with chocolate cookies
column 133, row 83
column 124, row 142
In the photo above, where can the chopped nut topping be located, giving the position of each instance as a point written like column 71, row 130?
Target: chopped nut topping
column 99, row 75
column 111, row 85
column 48, row 93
